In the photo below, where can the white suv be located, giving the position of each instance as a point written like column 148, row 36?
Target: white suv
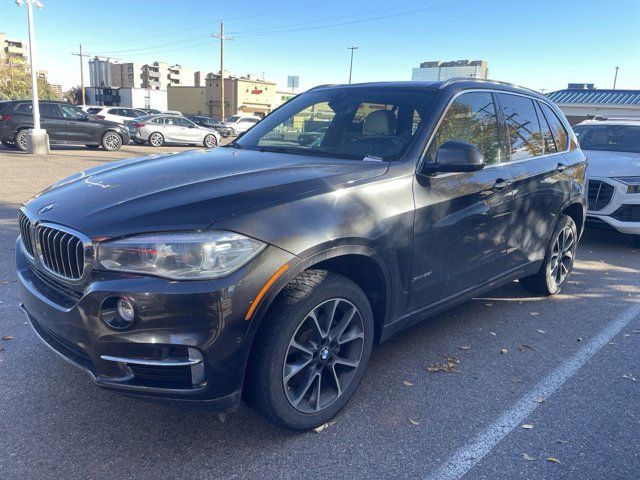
column 240, row 123
column 613, row 149
column 116, row 114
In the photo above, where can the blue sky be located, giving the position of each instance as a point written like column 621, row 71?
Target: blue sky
column 539, row 44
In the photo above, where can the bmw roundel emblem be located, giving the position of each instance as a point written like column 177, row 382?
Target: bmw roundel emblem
column 47, row 208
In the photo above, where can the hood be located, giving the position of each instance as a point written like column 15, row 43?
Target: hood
column 189, row 190
column 612, row 164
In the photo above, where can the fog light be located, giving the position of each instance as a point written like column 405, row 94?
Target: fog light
column 126, row 310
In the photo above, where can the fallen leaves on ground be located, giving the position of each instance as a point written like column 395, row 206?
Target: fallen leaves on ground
column 533, row 314
column 528, row 457
column 7, row 337
column 504, row 350
column 579, row 339
column 542, row 331
column 407, row 383
column 539, row 400
column 553, row 459
column 488, row 304
column 523, row 346
column 562, row 441
column 449, row 366
column 629, row 377
column 324, row 426
column 492, row 333
column 464, row 348
column 527, row 426
column 413, row 422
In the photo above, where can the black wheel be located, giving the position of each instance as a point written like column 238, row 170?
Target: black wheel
column 93, row 147
column 311, row 350
column 111, row 141
column 558, row 260
column 156, row 139
column 210, row 141
column 21, row 140
column 8, row 144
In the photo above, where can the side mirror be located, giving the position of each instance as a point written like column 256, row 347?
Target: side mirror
column 455, row 156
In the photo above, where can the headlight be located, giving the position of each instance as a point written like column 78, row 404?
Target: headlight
column 179, row 256
column 632, row 183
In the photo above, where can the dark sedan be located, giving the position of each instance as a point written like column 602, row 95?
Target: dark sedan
column 209, row 122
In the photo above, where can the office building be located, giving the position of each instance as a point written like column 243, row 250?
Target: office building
column 437, row 71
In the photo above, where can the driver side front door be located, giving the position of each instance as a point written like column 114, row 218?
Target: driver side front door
column 461, row 219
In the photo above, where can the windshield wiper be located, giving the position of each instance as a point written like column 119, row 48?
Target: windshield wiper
column 309, row 152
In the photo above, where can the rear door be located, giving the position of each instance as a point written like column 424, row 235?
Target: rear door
column 540, row 185
column 461, row 219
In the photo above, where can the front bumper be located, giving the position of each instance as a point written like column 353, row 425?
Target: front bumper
column 188, row 344
column 622, row 213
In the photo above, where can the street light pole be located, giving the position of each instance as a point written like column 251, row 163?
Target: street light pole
column 222, row 38
column 615, row 79
column 37, row 140
column 351, row 63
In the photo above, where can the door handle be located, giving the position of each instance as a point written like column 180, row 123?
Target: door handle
column 500, row 185
column 561, row 167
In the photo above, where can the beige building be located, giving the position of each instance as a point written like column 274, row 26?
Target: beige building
column 126, row 75
column 10, row 49
column 437, row 71
column 243, row 95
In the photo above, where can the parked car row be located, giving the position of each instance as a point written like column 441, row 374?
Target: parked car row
column 106, row 127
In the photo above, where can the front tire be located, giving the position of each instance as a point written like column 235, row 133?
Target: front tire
column 111, row 141
column 558, row 260
column 311, row 351
column 210, row 141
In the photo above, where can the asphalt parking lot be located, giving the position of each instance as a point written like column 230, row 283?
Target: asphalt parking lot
column 536, row 388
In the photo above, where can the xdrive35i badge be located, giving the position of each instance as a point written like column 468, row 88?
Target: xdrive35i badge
column 47, row 208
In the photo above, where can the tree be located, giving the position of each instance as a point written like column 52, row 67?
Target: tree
column 73, row 95
column 15, row 82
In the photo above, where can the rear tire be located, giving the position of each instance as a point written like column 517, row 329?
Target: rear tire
column 302, row 372
column 111, row 141
column 21, row 140
column 156, row 139
column 558, row 260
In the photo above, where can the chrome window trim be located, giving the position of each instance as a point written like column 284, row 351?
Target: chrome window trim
column 492, row 91
column 32, row 219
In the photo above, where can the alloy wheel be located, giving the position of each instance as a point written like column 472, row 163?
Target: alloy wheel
column 323, row 355
column 21, row 140
column 112, row 141
column 210, row 141
column 562, row 255
column 155, row 139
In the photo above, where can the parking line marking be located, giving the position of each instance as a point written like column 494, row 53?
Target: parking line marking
column 466, row 457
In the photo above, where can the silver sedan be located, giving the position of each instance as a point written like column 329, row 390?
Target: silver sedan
column 161, row 129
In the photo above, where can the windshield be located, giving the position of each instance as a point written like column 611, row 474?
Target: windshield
column 613, row 138
column 355, row 123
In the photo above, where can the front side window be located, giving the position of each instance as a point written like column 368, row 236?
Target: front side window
column 183, row 122
column 560, row 135
column 525, row 137
column 370, row 123
column 72, row 112
column 471, row 118
column 612, row 138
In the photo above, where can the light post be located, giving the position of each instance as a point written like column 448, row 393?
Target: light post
column 37, row 138
column 351, row 64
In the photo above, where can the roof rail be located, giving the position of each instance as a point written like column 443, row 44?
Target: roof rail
column 323, row 85
column 453, row 80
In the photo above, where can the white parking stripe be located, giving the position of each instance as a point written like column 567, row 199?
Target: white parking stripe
column 466, row 457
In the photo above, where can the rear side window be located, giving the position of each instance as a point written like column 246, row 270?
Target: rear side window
column 559, row 133
column 547, row 136
column 470, row 118
column 525, row 137
column 23, row 108
column 114, row 111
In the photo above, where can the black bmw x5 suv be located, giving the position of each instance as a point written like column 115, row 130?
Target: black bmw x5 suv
column 65, row 124
column 267, row 270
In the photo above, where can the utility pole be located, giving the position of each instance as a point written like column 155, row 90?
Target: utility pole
column 222, row 38
column 351, row 64
column 542, row 90
column 615, row 79
column 81, row 55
